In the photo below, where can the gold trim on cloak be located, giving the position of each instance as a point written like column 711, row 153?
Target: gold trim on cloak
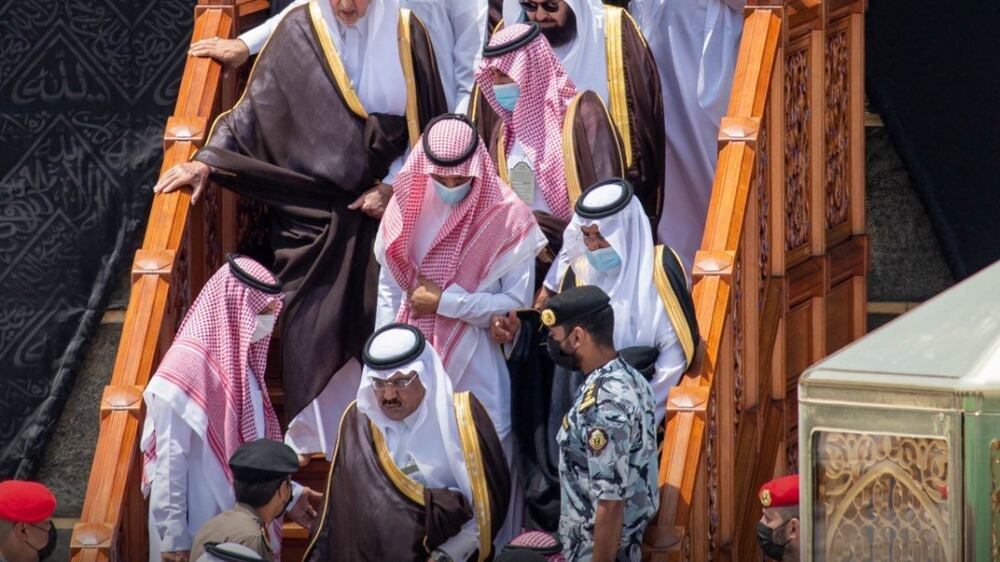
column 408, row 486
column 617, row 95
column 336, row 65
column 672, row 305
column 477, row 471
column 405, row 37
column 501, row 158
column 329, row 482
column 569, row 153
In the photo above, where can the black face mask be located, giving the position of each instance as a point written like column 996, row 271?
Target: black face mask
column 560, row 357
column 765, row 538
column 50, row 545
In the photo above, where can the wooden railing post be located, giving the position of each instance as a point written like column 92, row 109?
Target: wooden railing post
column 176, row 257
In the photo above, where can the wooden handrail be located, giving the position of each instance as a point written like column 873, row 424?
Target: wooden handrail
column 783, row 244
column 688, row 403
column 174, row 260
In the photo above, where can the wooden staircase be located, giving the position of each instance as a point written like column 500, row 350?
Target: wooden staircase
column 779, row 282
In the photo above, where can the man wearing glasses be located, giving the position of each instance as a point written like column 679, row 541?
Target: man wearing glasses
column 418, row 470
column 603, row 51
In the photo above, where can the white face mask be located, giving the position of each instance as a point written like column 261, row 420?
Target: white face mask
column 263, row 327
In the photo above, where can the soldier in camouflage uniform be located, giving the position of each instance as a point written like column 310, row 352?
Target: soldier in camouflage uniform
column 607, row 460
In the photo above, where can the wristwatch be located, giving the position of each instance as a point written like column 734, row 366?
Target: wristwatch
column 440, row 556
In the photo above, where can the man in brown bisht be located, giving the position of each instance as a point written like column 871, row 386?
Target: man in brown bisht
column 550, row 139
column 336, row 97
column 419, row 473
column 604, row 52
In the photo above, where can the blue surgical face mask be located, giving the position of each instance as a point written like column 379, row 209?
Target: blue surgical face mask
column 604, row 259
column 507, row 95
column 452, row 195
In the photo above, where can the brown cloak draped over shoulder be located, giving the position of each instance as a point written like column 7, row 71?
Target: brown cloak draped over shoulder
column 300, row 141
column 592, row 151
column 374, row 512
column 635, row 103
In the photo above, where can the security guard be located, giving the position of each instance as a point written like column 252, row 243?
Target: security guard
column 779, row 530
column 262, row 484
column 607, row 444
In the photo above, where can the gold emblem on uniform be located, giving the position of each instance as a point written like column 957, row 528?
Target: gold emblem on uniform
column 597, row 440
column 548, row 317
column 765, row 498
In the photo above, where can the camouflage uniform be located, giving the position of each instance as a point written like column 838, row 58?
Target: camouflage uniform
column 607, row 451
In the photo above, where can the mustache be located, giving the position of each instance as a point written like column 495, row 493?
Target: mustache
column 392, row 402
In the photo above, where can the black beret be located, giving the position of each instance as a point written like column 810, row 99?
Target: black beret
column 574, row 303
column 604, row 198
column 383, row 357
column 263, row 459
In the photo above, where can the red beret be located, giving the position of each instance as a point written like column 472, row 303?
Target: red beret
column 25, row 502
column 780, row 492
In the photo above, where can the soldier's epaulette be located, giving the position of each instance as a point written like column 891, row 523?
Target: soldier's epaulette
column 589, row 398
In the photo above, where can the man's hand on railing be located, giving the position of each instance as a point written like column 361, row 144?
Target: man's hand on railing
column 230, row 52
column 177, row 556
column 194, row 174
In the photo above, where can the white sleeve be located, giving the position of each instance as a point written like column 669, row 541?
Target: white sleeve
column 557, row 271
column 477, row 308
column 390, row 297
column 468, row 25
column 646, row 14
column 168, row 491
column 462, row 545
column 669, row 365
column 394, row 168
column 256, row 37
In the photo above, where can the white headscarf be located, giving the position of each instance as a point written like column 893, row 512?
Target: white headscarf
column 584, row 56
column 633, row 295
column 433, row 440
column 381, row 86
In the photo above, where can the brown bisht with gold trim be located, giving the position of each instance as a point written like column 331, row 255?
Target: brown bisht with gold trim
column 300, row 141
column 374, row 512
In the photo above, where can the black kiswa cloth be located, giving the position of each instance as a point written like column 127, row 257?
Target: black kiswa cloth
column 294, row 143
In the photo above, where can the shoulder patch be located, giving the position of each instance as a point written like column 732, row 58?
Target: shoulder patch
column 589, row 398
column 597, row 440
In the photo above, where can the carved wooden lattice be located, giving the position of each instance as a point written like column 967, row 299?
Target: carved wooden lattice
column 837, row 125
column 880, row 497
column 797, row 113
column 761, row 189
column 712, row 474
column 737, row 316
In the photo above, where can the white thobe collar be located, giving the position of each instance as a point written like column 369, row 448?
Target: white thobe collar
column 354, row 39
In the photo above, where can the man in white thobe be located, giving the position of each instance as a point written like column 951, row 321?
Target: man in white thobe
column 695, row 43
column 457, row 29
column 206, row 399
